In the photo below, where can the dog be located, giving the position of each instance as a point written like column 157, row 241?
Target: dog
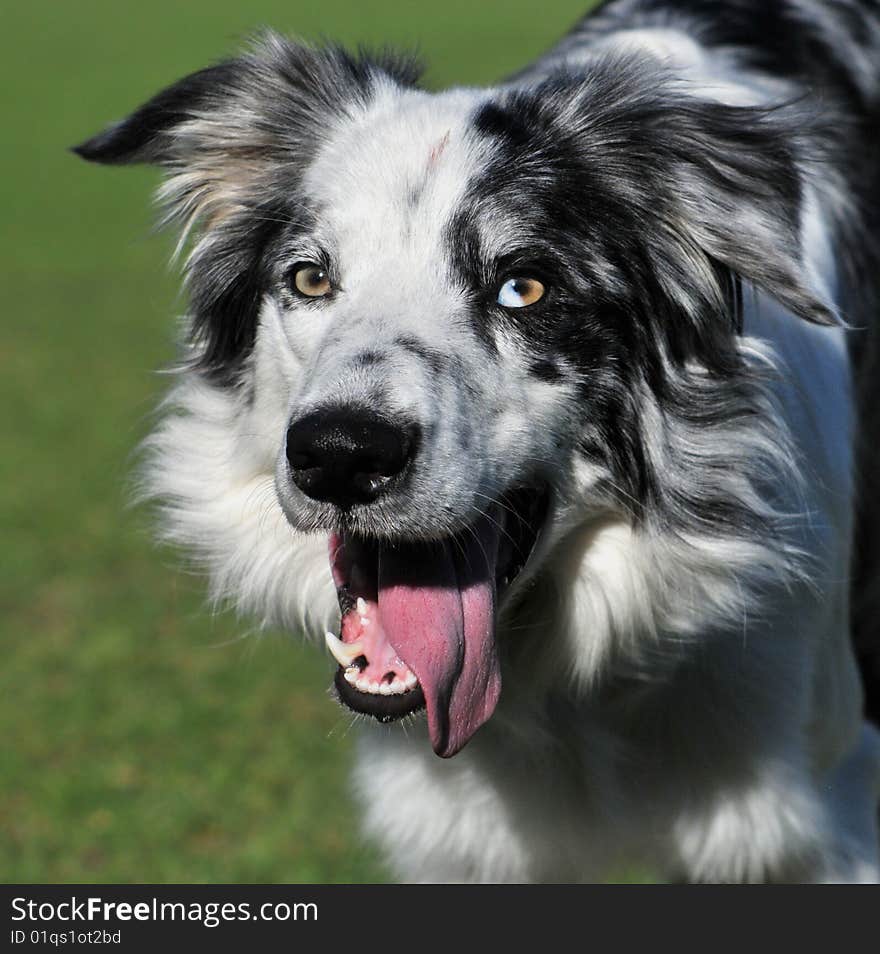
column 551, row 408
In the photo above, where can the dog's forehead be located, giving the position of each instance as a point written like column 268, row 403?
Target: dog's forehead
column 402, row 166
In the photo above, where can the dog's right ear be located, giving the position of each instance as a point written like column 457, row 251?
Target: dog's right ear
column 220, row 131
column 148, row 134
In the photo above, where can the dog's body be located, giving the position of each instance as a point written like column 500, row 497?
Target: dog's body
column 671, row 211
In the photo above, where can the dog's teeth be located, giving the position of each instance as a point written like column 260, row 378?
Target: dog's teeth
column 397, row 686
column 385, row 689
column 361, row 606
column 364, row 621
column 344, row 653
column 410, row 680
column 351, row 674
column 363, row 684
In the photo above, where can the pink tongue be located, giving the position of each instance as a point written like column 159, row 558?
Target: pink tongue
column 438, row 612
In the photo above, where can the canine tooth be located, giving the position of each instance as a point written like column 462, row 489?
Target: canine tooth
column 361, row 606
column 344, row 653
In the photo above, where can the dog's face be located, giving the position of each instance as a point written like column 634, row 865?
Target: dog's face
column 415, row 401
column 454, row 314
column 421, row 428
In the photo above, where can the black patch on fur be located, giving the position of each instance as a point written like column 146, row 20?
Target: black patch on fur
column 365, row 359
column 546, row 369
column 226, row 288
column 506, row 124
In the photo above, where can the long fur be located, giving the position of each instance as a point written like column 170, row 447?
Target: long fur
column 698, row 392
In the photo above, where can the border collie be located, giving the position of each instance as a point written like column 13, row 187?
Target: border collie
column 554, row 405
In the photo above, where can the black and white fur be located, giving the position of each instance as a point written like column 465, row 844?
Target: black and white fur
column 698, row 187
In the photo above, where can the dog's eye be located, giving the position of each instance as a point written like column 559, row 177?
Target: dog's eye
column 520, row 292
column 311, row 281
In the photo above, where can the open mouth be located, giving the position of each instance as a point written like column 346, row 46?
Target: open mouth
column 418, row 618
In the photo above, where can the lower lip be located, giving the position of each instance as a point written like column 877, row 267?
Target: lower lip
column 381, row 708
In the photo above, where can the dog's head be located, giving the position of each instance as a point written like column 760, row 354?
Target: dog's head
column 455, row 315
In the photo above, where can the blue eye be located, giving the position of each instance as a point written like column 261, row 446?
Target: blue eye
column 520, row 292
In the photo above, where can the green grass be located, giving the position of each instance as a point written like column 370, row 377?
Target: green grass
column 142, row 739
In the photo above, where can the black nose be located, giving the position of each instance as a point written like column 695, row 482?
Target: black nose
column 346, row 455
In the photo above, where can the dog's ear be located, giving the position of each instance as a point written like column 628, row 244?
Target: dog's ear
column 715, row 191
column 737, row 178
column 219, row 131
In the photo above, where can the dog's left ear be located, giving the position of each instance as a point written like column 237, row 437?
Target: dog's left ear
column 737, row 189
column 716, row 191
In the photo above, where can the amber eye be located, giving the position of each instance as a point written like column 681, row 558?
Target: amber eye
column 311, row 281
column 520, row 292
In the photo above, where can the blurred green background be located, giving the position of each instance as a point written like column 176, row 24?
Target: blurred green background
column 142, row 739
